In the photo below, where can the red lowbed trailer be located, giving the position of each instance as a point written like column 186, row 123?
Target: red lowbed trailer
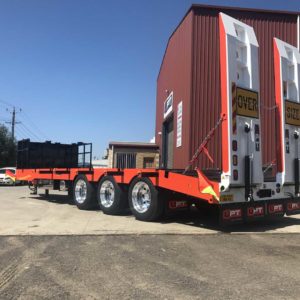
column 239, row 190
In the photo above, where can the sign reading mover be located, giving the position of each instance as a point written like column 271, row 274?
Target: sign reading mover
column 292, row 113
column 247, row 103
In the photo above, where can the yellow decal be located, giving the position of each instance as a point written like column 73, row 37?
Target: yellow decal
column 11, row 177
column 210, row 190
column 292, row 113
column 226, row 198
column 247, row 103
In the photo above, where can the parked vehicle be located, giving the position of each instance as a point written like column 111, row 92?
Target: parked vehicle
column 8, row 176
column 238, row 188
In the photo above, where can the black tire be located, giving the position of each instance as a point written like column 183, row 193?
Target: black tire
column 156, row 206
column 88, row 199
column 70, row 189
column 112, row 199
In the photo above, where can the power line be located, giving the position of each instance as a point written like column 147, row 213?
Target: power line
column 34, row 125
column 23, row 133
column 30, row 132
column 29, row 120
column 26, row 133
column 20, row 134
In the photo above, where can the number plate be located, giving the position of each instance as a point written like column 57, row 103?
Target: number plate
column 226, row 198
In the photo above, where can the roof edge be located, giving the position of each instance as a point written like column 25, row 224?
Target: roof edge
column 262, row 10
column 195, row 6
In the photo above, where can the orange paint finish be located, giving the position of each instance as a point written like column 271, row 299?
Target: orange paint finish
column 224, row 95
column 279, row 111
column 191, row 186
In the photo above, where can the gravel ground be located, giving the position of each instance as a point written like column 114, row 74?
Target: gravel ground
column 221, row 266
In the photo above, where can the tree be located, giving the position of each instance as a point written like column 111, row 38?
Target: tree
column 8, row 148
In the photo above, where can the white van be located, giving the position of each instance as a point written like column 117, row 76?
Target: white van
column 7, row 176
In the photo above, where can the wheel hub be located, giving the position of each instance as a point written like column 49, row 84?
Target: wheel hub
column 107, row 194
column 141, row 197
column 80, row 191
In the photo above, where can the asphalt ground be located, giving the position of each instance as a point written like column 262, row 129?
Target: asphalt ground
column 51, row 250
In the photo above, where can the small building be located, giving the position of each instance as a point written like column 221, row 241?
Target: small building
column 133, row 155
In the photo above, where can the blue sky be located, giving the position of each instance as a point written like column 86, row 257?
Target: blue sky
column 86, row 70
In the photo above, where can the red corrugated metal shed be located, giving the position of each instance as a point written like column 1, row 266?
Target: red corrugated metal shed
column 190, row 68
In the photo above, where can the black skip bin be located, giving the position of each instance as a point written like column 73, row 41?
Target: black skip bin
column 47, row 155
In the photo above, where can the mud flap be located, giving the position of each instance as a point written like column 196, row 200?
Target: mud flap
column 293, row 206
column 231, row 214
column 275, row 209
column 255, row 211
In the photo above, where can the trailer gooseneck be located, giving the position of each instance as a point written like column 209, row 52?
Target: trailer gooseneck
column 239, row 190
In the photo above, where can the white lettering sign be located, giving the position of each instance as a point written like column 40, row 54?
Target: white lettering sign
column 179, row 125
column 168, row 105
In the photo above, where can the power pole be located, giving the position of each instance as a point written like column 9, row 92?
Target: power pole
column 13, row 122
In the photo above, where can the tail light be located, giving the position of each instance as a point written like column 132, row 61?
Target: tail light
column 257, row 141
column 235, row 175
column 234, row 145
column 287, row 141
column 235, row 160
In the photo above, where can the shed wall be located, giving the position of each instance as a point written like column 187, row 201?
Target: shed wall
column 175, row 75
column 193, row 73
column 206, row 74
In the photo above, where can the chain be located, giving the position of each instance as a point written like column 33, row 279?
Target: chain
column 204, row 143
column 267, row 107
column 270, row 165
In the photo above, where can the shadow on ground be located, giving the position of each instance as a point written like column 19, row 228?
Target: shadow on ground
column 200, row 219
column 205, row 218
column 58, row 199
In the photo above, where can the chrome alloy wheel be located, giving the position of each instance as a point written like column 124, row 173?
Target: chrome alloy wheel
column 107, row 193
column 80, row 191
column 141, row 197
